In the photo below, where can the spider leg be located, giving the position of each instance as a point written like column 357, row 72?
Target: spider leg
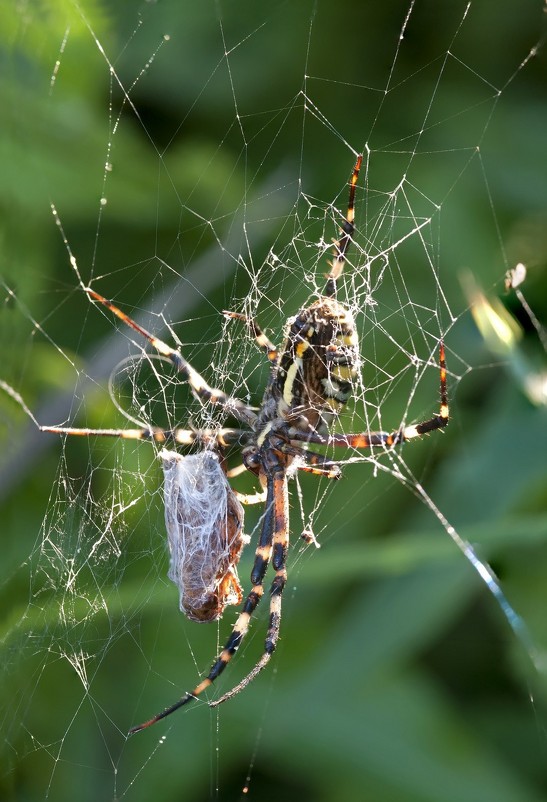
column 333, row 472
column 183, row 437
column 239, row 469
column 273, row 537
column 262, row 341
column 199, row 386
column 251, row 498
column 246, row 498
column 280, row 548
column 386, row 439
column 310, row 462
column 346, row 232
column 377, row 439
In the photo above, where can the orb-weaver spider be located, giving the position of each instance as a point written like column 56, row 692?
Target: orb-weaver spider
column 310, row 382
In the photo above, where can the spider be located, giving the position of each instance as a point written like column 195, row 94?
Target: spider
column 309, row 384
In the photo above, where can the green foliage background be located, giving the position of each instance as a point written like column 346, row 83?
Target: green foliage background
column 397, row 678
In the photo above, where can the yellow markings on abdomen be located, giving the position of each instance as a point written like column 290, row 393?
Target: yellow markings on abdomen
column 262, row 436
column 343, row 372
column 289, row 379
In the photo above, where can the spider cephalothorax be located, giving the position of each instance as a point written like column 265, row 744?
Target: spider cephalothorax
column 310, row 382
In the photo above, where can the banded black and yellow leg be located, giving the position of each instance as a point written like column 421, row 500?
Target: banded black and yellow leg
column 405, row 433
column 251, row 498
column 386, row 439
column 346, row 232
column 232, row 644
column 197, row 383
column 271, row 520
column 279, row 559
column 310, row 462
column 182, row 437
column 246, row 498
column 262, row 341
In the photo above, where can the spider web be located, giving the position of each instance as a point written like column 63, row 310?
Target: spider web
column 186, row 160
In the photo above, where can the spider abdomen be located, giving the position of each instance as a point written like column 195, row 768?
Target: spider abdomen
column 319, row 362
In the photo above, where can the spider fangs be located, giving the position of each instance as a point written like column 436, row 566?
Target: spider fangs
column 310, row 382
